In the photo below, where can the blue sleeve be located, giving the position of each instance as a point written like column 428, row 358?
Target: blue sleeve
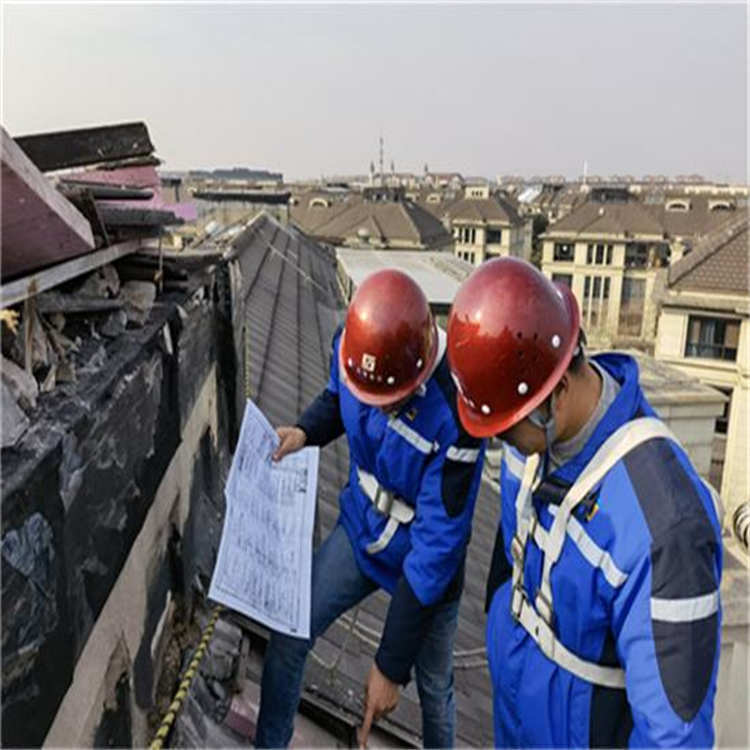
column 444, row 508
column 666, row 622
column 321, row 421
column 433, row 568
column 405, row 628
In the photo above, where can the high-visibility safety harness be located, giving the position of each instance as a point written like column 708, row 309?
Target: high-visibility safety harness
column 386, row 503
column 537, row 617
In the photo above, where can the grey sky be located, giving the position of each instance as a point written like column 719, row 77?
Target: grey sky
column 485, row 90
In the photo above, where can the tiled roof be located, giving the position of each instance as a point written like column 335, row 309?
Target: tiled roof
column 699, row 220
column 293, row 308
column 719, row 263
column 484, row 210
column 624, row 219
column 390, row 222
column 308, row 218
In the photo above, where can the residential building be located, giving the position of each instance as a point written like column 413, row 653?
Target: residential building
column 485, row 225
column 608, row 253
column 704, row 330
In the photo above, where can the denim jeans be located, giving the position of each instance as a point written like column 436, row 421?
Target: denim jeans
column 337, row 585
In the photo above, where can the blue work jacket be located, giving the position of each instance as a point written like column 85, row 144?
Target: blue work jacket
column 636, row 586
column 424, row 457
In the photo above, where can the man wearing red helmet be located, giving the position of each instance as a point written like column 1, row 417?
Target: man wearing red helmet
column 405, row 512
column 603, row 597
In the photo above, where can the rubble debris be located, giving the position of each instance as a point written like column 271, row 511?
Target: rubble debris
column 139, row 298
column 73, row 190
column 242, row 714
column 14, row 421
column 22, row 385
column 30, row 554
column 103, row 282
column 61, row 343
column 137, row 217
column 114, row 324
column 85, row 146
column 65, row 372
column 10, row 318
column 57, row 320
column 37, row 216
column 57, row 302
column 50, row 380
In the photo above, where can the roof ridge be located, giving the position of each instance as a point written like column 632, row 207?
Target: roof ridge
column 411, row 221
column 382, row 236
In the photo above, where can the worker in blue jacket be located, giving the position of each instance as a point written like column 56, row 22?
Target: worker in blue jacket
column 604, row 617
column 406, row 510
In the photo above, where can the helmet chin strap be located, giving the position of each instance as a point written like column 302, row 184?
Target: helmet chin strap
column 549, row 425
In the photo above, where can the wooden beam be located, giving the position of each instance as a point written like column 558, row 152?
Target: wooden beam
column 39, row 226
column 29, row 286
column 136, row 217
column 72, row 189
column 77, row 148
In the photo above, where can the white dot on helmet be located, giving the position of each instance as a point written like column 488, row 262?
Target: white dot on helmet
column 486, row 409
column 391, row 380
column 556, row 341
column 523, row 388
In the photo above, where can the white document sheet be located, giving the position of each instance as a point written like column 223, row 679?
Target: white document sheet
column 264, row 565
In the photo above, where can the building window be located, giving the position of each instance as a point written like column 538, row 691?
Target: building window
column 494, row 236
column 631, row 307
column 722, row 422
column 712, row 338
column 564, row 251
column 645, row 255
column 595, row 292
column 636, row 255
column 563, row 278
column 598, row 254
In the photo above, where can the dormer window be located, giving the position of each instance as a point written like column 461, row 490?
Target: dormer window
column 720, row 205
column 682, row 206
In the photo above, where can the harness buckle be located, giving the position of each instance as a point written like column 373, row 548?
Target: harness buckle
column 517, row 550
column 383, row 501
column 544, row 609
column 517, row 600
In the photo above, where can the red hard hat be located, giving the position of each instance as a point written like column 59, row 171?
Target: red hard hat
column 389, row 343
column 511, row 336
